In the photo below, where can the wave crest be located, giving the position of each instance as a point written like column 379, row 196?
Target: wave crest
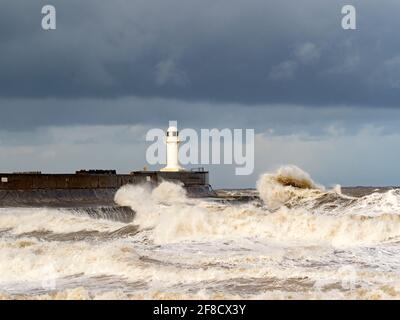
column 287, row 183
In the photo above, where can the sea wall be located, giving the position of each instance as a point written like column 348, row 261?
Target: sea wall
column 70, row 190
column 38, row 181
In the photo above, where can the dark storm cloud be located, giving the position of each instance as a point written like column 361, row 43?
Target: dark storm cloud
column 248, row 52
column 27, row 115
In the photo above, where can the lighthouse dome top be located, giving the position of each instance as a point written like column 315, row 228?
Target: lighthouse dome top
column 172, row 129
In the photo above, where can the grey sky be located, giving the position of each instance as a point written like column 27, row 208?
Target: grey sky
column 285, row 68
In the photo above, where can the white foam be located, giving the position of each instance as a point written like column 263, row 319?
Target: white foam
column 176, row 219
column 287, row 183
column 25, row 220
column 305, row 242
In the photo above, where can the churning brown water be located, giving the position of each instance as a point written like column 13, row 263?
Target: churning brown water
column 293, row 240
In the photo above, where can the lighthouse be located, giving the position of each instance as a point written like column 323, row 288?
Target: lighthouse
column 172, row 141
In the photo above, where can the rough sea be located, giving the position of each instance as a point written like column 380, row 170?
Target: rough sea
column 291, row 239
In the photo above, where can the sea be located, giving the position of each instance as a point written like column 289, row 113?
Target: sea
column 288, row 238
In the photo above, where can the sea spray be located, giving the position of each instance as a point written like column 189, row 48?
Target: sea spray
column 25, row 220
column 296, row 241
column 288, row 182
column 176, row 218
column 150, row 203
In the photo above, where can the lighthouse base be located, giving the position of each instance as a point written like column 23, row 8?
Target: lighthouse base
column 174, row 169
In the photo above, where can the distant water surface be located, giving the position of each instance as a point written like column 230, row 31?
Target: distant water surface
column 288, row 239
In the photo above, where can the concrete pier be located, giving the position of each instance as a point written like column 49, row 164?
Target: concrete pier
column 88, row 188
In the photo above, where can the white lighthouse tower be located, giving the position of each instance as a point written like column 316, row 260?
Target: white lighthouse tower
column 172, row 141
